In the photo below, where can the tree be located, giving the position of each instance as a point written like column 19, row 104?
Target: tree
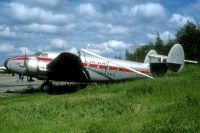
column 127, row 54
column 141, row 52
column 189, row 37
column 168, row 46
column 118, row 57
column 159, row 44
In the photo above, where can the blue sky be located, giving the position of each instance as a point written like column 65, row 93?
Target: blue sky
column 106, row 27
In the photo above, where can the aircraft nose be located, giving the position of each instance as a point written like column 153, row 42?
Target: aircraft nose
column 6, row 63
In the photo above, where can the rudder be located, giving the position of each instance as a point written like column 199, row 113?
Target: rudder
column 175, row 58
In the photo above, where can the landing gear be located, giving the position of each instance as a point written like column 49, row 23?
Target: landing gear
column 47, row 86
column 30, row 79
column 86, row 79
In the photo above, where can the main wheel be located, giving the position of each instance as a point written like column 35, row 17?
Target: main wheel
column 47, row 87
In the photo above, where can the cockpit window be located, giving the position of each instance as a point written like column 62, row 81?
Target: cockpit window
column 38, row 54
column 44, row 55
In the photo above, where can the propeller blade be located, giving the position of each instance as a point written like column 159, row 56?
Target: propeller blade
column 25, row 59
column 101, row 57
column 25, row 62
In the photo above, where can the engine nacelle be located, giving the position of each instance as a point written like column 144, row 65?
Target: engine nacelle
column 32, row 65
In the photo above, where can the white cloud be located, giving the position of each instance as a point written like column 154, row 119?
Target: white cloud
column 34, row 27
column 88, row 9
column 58, row 44
column 6, row 32
column 148, row 10
column 46, row 28
column 24, row 50
column 73, row 50
column 109, row 48
column 116, row 29
column 178, row 20
column 152, row 37
column 50, row 3
column 117, row 45
column 6, row 48
column 105, row 51
column 24, row 13
column 42, row 3
column 165, row 36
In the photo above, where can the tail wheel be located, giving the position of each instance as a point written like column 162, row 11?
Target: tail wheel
column 47, row 86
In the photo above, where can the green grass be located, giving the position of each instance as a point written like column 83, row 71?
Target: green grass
column 166, row 104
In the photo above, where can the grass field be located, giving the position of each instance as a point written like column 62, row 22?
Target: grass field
column 166, row 104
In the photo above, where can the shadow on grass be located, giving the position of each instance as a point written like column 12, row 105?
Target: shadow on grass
column 56, row 90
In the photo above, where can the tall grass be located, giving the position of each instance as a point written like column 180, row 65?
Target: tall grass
column 166, row 104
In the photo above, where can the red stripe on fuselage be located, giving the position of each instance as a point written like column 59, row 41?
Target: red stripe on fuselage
column 103, row 67
column 26, row 58
column 85, row 64
column 19, row 58
column 126, row 70
column 44, row 59
column 94, row 65
column 114, row 68
column 145, row 71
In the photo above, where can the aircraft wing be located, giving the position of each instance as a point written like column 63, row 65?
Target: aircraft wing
column 66, row 67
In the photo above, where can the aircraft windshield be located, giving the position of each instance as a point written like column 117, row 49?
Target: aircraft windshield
column 38, row 53
column 44, row 55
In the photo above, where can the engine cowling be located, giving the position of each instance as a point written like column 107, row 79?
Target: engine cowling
column 32, row 65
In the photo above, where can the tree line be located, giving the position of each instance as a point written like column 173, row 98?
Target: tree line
column 188, row 36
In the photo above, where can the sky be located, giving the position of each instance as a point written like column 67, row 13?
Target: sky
column 106, row 27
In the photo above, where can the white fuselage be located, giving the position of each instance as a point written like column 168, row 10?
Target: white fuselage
column 98, row 69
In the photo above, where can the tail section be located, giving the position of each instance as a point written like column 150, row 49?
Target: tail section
column 175, row 58
column 147, row 59
column 159, row 64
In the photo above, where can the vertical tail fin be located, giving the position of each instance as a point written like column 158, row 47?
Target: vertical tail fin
column 175, row 58
column 147, row 59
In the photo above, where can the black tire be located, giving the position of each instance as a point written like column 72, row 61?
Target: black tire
column 47, row 87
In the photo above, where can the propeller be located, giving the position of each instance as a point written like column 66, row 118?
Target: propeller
column 25, row 61
column 29, row 78
column 131, row 69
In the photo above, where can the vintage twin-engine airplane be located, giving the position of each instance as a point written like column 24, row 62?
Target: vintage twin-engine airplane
column 87, row 67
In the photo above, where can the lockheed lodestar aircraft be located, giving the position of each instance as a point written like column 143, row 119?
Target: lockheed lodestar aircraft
column 87, row 67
